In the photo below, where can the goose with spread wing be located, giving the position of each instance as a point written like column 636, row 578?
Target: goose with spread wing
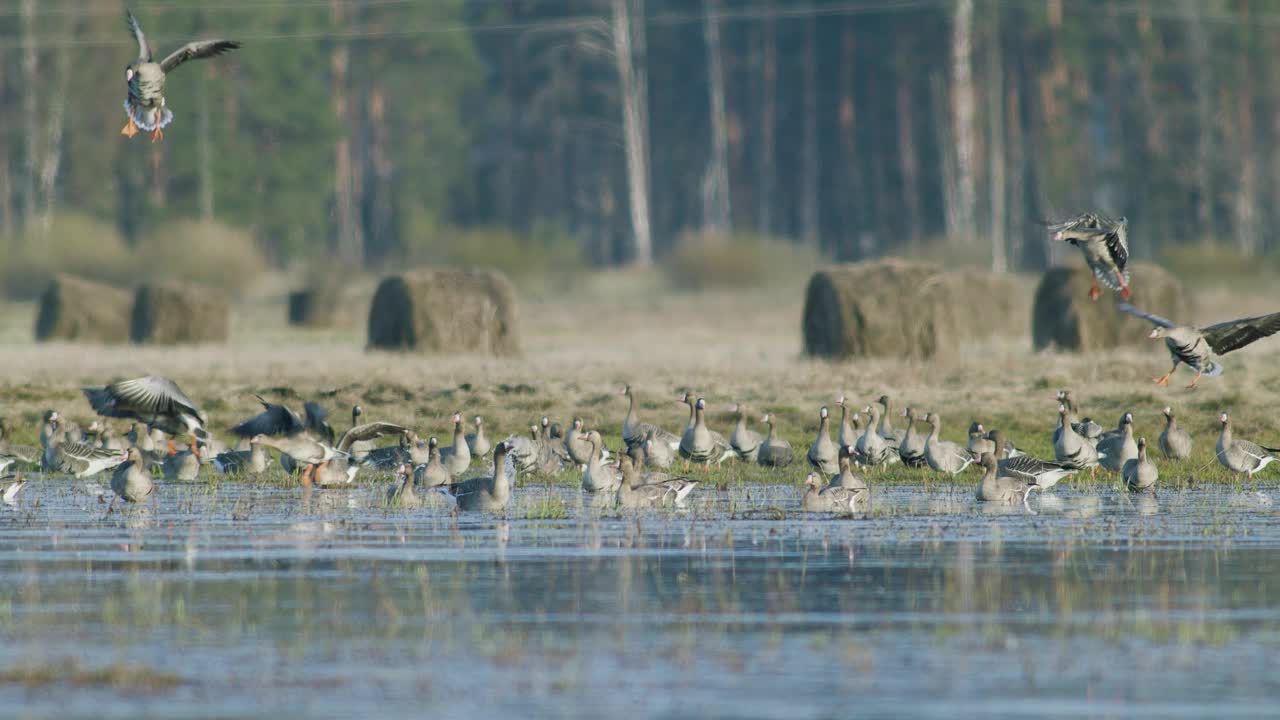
column 153, row 400
column 1105, row 244
column 1196, row 346
column 145, row 104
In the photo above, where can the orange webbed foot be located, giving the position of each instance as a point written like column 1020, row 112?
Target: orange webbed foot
column 157, row 134
column 1095, row 292
column 130, row 128
column 1163, row 380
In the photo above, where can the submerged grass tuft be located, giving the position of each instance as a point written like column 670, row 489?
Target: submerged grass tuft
column 69, row 672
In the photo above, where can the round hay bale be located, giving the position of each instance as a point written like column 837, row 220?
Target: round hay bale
column 1064, row 318
column 445, row 311
column 896, row 308
column 73, row 308
column 315, row 307
column 169, row 314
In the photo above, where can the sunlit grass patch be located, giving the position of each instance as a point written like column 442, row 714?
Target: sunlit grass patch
column 69, row 672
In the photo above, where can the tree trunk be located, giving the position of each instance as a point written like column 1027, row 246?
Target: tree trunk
column 716, row 208
column 908, row 162
column 350, row 241
column 1247, row 218
column 768, row 124
column 31, row 122
column 963, row 104
column 629, row 54
column 1017, row 162
column 855, row 229
column 1202, row 91
column 995, row 142
column 204, row 146
column 809, row 149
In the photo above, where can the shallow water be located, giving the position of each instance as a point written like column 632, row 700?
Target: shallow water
column 258, row 600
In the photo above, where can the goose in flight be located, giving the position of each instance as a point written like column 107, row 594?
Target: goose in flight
column 1196, row 346
column 1105, row 244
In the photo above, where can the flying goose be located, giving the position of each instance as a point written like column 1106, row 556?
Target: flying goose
column 774, row 451
column 158, row 402
column 1197, row 346
column 1175, row 443
column 1242, row 456
column 1105, row 245
column 1140, row 473
column 822, row 452
column 145, row 104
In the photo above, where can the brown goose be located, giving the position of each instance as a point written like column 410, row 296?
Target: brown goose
column 1086, row 428
column 1242, row 456
column 847, row 478
column 911, row 449
column 875, row 448
column 823, row 455
column 1175, row 443
column 131, row 482
column 523, row 450
column 477, row 443
column 847, row 434
column 579, row 450
column 633, row 493
column 942, row 455
column 1070, row 448
column 978, row 440
column 1045, row 473
column 1197, row 346
column 702, row 445
column 634, row 432
column 1117, row 449
column 885, row 426
column 996, row 487
column 487, row 493
column 432, row 473
column 401, row 493
column 745, row 442
column 457, row 457
column 820, row 497
column 657, row 453
column 183, row 465
column 597, row 477
column 77, row 458
column 1105, row 244
column 1140, row 473
column 247, row 462
column 774, row 451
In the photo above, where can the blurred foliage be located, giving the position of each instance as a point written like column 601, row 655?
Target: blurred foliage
column 1215, row 263
column 537, row 261
column 704, row 261
column 201, row 253
column 75, row 244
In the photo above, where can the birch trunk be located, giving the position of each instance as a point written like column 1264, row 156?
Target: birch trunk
column 1201, row 90
column 350, row 243
column 716, row 208
column 963, row 103
column 768, row 124
column 995, row 143
column 809, row 148
column 31, row 124
column 629, row 54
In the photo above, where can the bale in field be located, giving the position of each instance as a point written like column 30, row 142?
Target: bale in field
column 315, row 306
column 896, row 308
column 73, row 308
column 1065, row 319
column 170, row 314
column 445, row 311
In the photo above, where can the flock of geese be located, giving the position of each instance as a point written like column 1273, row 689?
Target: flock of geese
column 307, row 445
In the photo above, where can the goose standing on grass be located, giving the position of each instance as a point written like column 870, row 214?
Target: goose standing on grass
column 1116, row 449
column 745, row 441
column 942, row 455
column 847, row 435
column 997, row 487
column 1085, row 428
column 597, row 477
column 131, row 482
column 432, row 473
column 885, row 427
column 775, row 451
column 978, row 441
column 1105, row 244
column 1175, row 443
column 911, row 449
column 523, row 450
column 875, row 449
column 1070, row 448
column 1242, row 456
column 657, row 453
column 633, row 493
column 1197, row 346
column 578, row 449
column 1044, row 473
column 487, row 493
column 848, row 479
column 477, row 443
column 457, row 457
column 635, row 432
column 153, row 400
column 401, row 493
column 242, row 462
column 701, row 445
column 822, row 453
column 821, row 497
column 1140, row 473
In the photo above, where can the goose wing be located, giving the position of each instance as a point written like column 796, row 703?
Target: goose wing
column 1118, row 243
column 274, row 420
column 144, row 51
column 368, row 431
column 141, row 398
column 196, row 51
column 1235, row 334
column 1153, row 319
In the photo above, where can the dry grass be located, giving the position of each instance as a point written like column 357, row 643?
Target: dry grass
column 69, row 673
column 619, row 329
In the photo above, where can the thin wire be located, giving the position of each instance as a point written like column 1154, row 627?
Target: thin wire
column 579, row 22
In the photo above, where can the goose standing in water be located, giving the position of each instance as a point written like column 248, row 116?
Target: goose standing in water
column 1196, row 346
column 457, row 457
column 597, row 477
column 942, row 455
column 875, row 449
column 822, row 453
column 488, row 493
column 131, row 482
column 1070, row 448
column 821, row 497
column 633, row 493
column 700, row 444
column 997, row 487
column 775, row 451
column 1118, row 448
column 1140, row 473
column 401, row 493
column 432, row 473
column 1044, row 473
column 1242, row 456
column 1105, row 244
column 850, row 480
column 1175, row 443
